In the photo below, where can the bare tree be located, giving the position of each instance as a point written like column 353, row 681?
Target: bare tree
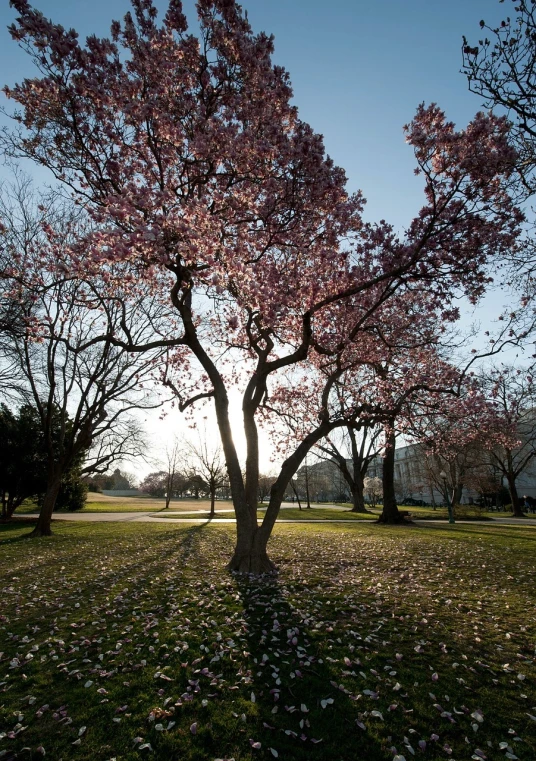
column 352, row 452
column 90, row 388
column 172, row 462
column 265, row 484
column 68, row 338
column 207, row 463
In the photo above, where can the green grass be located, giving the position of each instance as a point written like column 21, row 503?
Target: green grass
column 373, row 638
column 290, row 513
column 106, row 507
column 441, row 513
column 132, row 505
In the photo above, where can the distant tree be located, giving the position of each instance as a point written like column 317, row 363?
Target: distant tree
column 373, row 488
column 155, row 483
column 66, row 343
column 457, row 435
column 464, row 467
column 512, row 390
column 171, row 481
column 265, row 484
column 173, row 457
column 196, row 484
column 206, row 464
column 303, row 480
column 23, row 462
column 352, row 452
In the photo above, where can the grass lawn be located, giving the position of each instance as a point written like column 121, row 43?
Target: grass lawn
column 130, row 641
column 288, row 513
column 103, row 503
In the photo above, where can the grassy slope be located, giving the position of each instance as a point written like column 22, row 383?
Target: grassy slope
column 373, row 639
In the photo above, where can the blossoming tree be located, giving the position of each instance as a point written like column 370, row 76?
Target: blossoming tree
column 199, row 173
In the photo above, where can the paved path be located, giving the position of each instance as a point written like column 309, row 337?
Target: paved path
column 152, row 517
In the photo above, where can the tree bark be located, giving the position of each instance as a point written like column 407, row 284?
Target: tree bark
column 11, row 506
column 49, row 502
column 358, row 501
column 516, row 506
column 307, row 485
column 359, row 467
column 390, row 513
column 212, row 500
column 250, row 554
column 457, row 494
column 169, row 486
column 354, row 479
column 296, row 493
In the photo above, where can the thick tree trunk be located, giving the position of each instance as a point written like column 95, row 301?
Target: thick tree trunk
column 390, row 512
column 359, row 469
column 358, row 500
column 514, row 497
column 250, row 554
column 49, row 502
column 11, row 506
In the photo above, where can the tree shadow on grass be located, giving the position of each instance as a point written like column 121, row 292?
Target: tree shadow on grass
column 189, row 546
column 301, row 710
column 8, row 529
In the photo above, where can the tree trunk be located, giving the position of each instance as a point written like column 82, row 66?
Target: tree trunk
column 355, row 481
column 358, row 499
column 250, row 554
column 169, row 487
column 307, row 486
column 516, row 505
column 297, row 495
column 11, row 506
column 390, row 512
column 359, row 469
column 212, row 501
column 49, row 502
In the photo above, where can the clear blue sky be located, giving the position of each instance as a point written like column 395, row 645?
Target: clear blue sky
column 359, row 69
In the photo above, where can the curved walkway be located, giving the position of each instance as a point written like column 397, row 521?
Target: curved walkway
column 177, row 517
